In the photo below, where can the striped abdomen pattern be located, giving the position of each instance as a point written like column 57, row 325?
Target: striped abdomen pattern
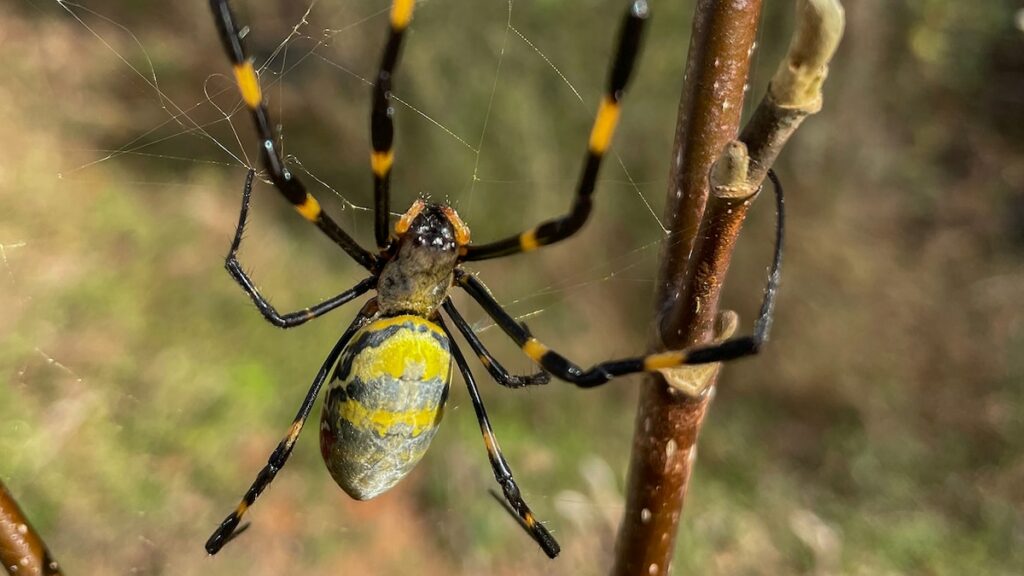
column 385, row 403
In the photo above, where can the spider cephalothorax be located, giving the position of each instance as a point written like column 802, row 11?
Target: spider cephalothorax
column 416, row 277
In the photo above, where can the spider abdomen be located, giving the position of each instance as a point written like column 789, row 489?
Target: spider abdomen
column 384, row 403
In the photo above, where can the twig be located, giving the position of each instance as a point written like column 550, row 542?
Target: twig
column 795, row 90
column 22, row 550
column 705, row 210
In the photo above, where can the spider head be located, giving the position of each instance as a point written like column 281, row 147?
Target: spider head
column 434, row 227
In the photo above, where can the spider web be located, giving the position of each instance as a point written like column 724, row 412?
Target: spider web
column 183, row 123
column 218, row 118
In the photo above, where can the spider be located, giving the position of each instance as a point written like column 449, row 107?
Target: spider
column 393, row 365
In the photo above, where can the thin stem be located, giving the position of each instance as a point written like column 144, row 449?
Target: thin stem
column 705, row 210
column 22, row 550
column 668, row 421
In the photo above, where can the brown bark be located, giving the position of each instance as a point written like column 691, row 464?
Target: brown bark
column 705, row 210
column 22, row 550
column 668, row 421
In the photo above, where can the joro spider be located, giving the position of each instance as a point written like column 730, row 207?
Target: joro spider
column 393, row 365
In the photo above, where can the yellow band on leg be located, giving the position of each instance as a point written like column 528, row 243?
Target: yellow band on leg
column 310, row 208
column 248, row 84
column 380, row 162
column 489, row 443
column 401, row 13
column 528, row 240
column 662, row 360
column 604, row 126
column 535, row 350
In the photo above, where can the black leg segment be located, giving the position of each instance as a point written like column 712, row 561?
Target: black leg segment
column 382, row 125
column 600, row 140
column 498, row 372
column 290, row 319
column 287, row 183
column 279, row 457
column 502, row 472
column 563, row 368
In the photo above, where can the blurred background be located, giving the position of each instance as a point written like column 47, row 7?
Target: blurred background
column 881, row 433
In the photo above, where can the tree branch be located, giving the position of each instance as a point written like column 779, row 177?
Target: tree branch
column 22, row 550
column 705, row 210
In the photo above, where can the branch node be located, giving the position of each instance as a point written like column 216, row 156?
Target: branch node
column 798, row 80
column 795, row 90
column 697, row 380
column 729, row 176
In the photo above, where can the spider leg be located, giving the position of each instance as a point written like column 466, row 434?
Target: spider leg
column 502, row 472
column 382, row 125
column 287, row 183
column 279, row 457
column 600, row 373
column 268, row 311
column 565, row 226
column 498, row 372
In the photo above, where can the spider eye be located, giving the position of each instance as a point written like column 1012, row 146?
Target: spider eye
column 429, row 226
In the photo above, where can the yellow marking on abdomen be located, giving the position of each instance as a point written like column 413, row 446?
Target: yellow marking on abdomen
column 310, row 208
column 380, row 162
column 663, row 360
column 528, row 240
column 401, row 13
column 383, row 421
column 535, row 350
column 403, row 319
column 248, row 84
column 408, row 354
column 604, row 126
